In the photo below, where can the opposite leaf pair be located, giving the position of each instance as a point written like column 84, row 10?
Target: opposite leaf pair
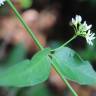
column 37, row 70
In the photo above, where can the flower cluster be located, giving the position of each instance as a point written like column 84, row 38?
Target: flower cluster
column 2, row 2
column 82, row 29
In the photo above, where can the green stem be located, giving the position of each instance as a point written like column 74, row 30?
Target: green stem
column 55, row 65
column 69, row 40
column 66, row 43
column 25, row 25
column 41, row 47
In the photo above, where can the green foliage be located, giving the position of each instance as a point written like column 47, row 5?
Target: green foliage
column 28, row 72
column 38, row 90
column 73, row 67
column 89, row 52
column 26, row 3
column 17, row 54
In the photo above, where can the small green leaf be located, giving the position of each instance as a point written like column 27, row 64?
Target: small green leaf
column 73, row 67
column 28, row 72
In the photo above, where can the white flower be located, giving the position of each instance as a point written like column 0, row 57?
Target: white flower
column 90, row 37
column 2, row 2
column 77, row 20
column 85, row 27
column 82, row 29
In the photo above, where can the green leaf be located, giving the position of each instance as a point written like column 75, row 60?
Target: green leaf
column 17, row 54
column 73, row 67
column 28, row 72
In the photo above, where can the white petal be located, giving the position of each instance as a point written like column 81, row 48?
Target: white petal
column 89, row 27
column 73, row 21
column 78, row 18
column 89, row 33
column 85, row 27
column 84, row 24
column 92, row 34
column 91, row 43
column 2, row 2
column 90, row 37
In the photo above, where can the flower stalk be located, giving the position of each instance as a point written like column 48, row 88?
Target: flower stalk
column 66, row 43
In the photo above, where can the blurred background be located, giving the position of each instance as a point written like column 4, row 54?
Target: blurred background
column 50, row 22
